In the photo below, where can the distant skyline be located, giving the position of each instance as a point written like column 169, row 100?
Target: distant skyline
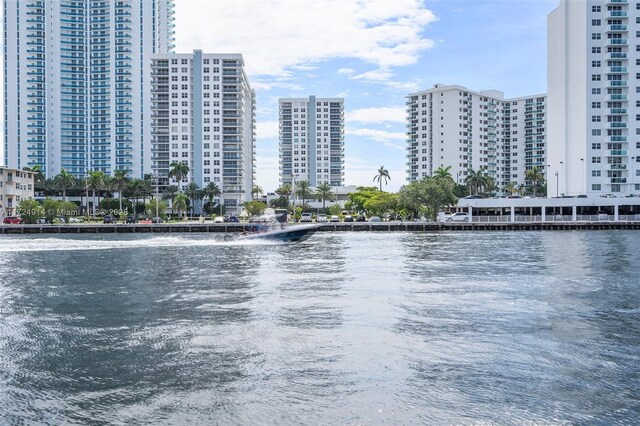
column 373, row 53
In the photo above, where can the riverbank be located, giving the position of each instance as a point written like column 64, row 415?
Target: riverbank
column 331, row 227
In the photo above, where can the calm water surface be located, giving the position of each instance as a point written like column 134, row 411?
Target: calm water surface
column 346, row 328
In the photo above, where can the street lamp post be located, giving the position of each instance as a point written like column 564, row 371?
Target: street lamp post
column 557, row 185
column 157, row 193
column 582, row 176
column 562, row 169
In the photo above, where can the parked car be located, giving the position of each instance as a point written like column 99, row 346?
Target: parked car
column 441, row 217
column 305, row 217
column 375, row 219
column 473, row 197
column 459, row 217
column 321, row 218
column 335, row 218
column 75, row 220
column 132, row 218
column 581, row 196
column 218, row 219
column 59, row 219
column 109, row 219
column 348, row 218
column 608, row 196
column 361, row 218
column 42, row 221
column 233, row 219
column 157, row 220
column 12, row 220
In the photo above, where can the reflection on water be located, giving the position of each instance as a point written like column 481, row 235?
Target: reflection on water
column 346, row 328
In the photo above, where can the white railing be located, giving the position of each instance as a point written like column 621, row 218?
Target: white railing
column 556, row 218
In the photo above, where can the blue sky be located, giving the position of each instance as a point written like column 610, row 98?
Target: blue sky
column 373, row 53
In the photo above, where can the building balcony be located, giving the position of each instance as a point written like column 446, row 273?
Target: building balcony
column 617, row 41
column 617, row 153
column 616, row 166
column 616, row 28
column 617, row 139
column 617, row 111
column 617, row 70
column 617, row 125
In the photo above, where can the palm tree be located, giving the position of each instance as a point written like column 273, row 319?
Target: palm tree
column 179, row 170
column 510, row 188
column 109, row 186
column 534, row 176
column 303, row 191
column 120, row 180
column 211, row 191
column 38, row 176
column 476, row 180
column 284, row 190
column 63, row 181
column 193, row 192
column 443, row 172
column 136, row 187
column 382, row 174
column 256, row 191
column 95, row 180
column 323, row 193
column 180, row 203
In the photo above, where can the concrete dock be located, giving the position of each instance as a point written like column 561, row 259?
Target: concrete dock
column 328, row 227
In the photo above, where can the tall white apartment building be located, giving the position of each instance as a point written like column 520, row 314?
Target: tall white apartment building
column 77, row 83
column 204, row 116
column 593, row 68
column 312, row 140
column 464, row 129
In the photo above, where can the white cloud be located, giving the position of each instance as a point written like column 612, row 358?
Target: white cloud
column 347, row 71
column 268, row 85
column 384, row 76
column 267, row 129
column 377, row 115
column 278, row 35
column 382, row 136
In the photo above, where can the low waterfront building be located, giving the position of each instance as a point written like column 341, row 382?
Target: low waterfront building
column 312, row 140
column 204, row 116
column 457, row 127
column 15, row 186
column 567, row 209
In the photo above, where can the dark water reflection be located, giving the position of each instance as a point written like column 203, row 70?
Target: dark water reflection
column 359, row 328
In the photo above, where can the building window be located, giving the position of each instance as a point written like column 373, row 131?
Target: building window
column 595, row 64
column 595, row 22
column 595, row 160
column 595, row 173
column 595, row 77
column 595, row 8
column 596, row 187
column 596, row 50
column 596, row 132
column 595, row 36
column 595, row 118
column 595, row 104
column 595, row 145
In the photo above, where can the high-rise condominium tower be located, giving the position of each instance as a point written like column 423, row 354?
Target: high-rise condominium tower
column 594, row 97
column 204, row 117
column 77, row 88
column 452, row 126
column 312, row 140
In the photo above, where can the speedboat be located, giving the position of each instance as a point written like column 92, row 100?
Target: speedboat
column 293, row 234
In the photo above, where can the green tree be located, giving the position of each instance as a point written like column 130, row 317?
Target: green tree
column 66, row 209
column 178, row 170
column 443, row 172
column 535, row 177
column 381, row 203
column 510, row 188
column 50, row 208
column 156, row 208
column 211, row 191
column 180, row 203
column 30, row 211
column 324, row 193
column 193, row 192
column 170, row 193
column 95, row 180
column 255, row 208
column 358, row 199
column 476, row 180
column 64, row 181
column 38, row 176
column 383, row 174
column 256, row 191
column 303, row 190
column 120, row 180
column 428, row 195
